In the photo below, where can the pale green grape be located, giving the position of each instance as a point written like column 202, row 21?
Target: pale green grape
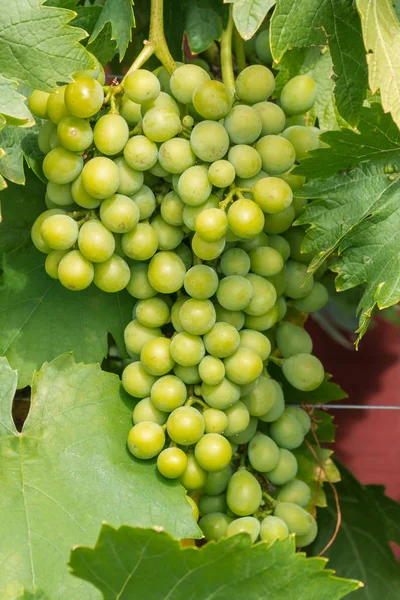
column 298, row 95
column 214, row 526
column 145, row 201
column 136, row 381
column 163, row 100
column 222, row 395
column 246, row 160
column 303, row 371
column 201, row 282
column 256, row 341
column 243, row 124
column 295, row 491
column 314, row 301
column 56, row 107
column 292, row 339
column 37, row 103
column 52, row 261
column 261, row 239
column 81, row 196
column 172, row 463
column 212, row 100
column 146, row 440
column 194, row 477
column 189, row 375
column 59, row 194
column 194, row 187
column 255, row 84
column 197, row 316
column 156, row 357
column 111, row 133
column 168, row 392
column 95, row 242
column 245, row 218
column 130, row 111
column 297, row 519
column 263, row 49
column 100, row 177
column 36, row 236
column 272, row 194
column 161, row 124
column 175, row 310
column 217, row 482
column 303, row 139
column 234, row 317
column 164, row 77
column 287, row 432
column 176, row 155
column 187, row 349
column 190, row 213
column 244, row 493
column 301, row 415
column 119, row 213
column 263, row 296
column 112, row 275
column 146, row 411
column 209, row 141
column 75, row 272
column 153, row 312
column 295, row 237
column 136, row 335
column 166, row 272
column 277, row 154
column 74, row 134
column 141, row 86
column 309, row 537
column 139, row 285
column 212, row 504
column 45, row 132
column 244, row 366
column 62, row 166
column 296, row 182
column 298, row 286
column 207, row 250
column 213, row 452
column 272, row 529
column 263, row 397
column 215, row 420
column 185, row 79
column 130, row 181
column 238, row 419
column 222, row 340
column 169, row 236
column 211, row 224
column 280, row 244
column 248, row 525
column 279, row 222
column 245, row 436
column 221, row 173
column 140, row 153
column 59, row 232
column 184, row 254
column 235, row 262
column 262, row 322
column 140, row 243
column 285, row 470
column 263, row 453
column 84, row 97
column 272, row 118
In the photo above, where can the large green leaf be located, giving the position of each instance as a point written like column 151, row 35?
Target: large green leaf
column 19, row 144
column 203, row 23
column 68, row 471
column 362, row 547
column 13, row 105
column 249, row 14
column 37, row 595
column 103, row 47
column 124, row 562
column 389, row 511
column 119, row 14
column 311, row 473
column 381, row 32
column 298, row 23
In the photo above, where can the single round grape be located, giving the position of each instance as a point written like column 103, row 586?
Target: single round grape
column 298, row 95
column 262, row 398
column 287, row 432
column 187, row 349
column 280, row 244
column 194, row 187
column 209, row 141
column 256, row 341
column 261, row 239
column 279, row 222
column 282, row 307
column 161, row 124
column 235, row 261
column 263, row 453
column 168, row 393
column 136, row 335
column 295, row 492
column 47, row 128
column 212, row 100
column 175, row 310
column 262, row 47
column 277, row 154
column 137, row 382
column 255, row 84
column 81, row 196
column 95, row 242
column 59, row 232
column 207, row 250
column 52, row 261
column 244, row 366
column 221, row 395
column 197, row 316
column 243, row 124
column 176, row 155
column 211, row 224
column 247, row 434
column 184, row 254
column 302, row 138
column 222, row 340
column 211, row 370
column 302, row 417
column 262, row 322
column 153, row 312
column 214, row 526
column 62, row 166
column 201, row 282
column 139, row 285
column 37, row 103
column 309, row 537
column 163, row 100
column 189, row 375
column 234, row 292
column 234, row 317
column 245, row 218
column 272, row 529
column 166, row 272
column 141, row 86
column 100, row 177
column 185, row 79
column 266, row 261
column 141, row 243
column 272, row 194
column 145, row 200
column 56, row 106
column 169, row 237
column 218, row 482
column 119, row 213
column 194, row 477
column 263, row 296
column 190, row 213
column 215, row 420
column 249, row 525
column 84, row 97
column 297, row 286
column 245, row 159
column 212, row 504
column 303, row 371
column 59, row 194
column 238, row 419
column 277, row 402
column 74, row 134
column 272, row 118
column 296, row 182
column 130, row 181
column 185, row 425
column 314, row 301
column 292, row 339
column 285, row 470
column 295, row 237
column 213, row 452
column 146, row 440
column 75, row 271
column 112, row 275
column 296, row 518
column 130, row 111
column 172, row 463
column 172, row 209
column 156, row 356
column 221, row 173
column 164, row 77
column 146, row 411
column 243, row 494
column 140, row 153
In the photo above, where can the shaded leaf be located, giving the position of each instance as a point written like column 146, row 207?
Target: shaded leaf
column 20, row 143
column 311, row 473
column 203, row 23
column 389, row 511
column 13, row 105
column 119, row 13
column 249, row 14
column 37, row 595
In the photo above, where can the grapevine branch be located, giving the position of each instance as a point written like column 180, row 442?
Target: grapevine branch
column 228, row 76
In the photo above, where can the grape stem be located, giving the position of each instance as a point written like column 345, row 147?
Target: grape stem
column 239, row 51
column 228, row 76
column 229, row 198
column 275, row 360
column 270, row 499
column 195, row 400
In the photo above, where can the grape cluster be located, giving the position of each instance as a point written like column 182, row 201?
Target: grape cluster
column 184, row 196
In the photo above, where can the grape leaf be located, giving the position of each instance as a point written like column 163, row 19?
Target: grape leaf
column 103, row 47
column 249, row 14
column 311, row 473
column 67, row 471
column 13, row 105
column 19, row 144
column 37, row 46
column 389, row 511
column 124, row 560
column 361, row 549
column 381, row 33
column 119, row 14
column 203, row 23
column 298, row 23
column 36, row 595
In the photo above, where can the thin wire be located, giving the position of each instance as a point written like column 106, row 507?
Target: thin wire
column 356, row 407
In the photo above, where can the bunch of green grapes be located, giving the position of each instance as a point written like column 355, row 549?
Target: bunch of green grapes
column 183, row 195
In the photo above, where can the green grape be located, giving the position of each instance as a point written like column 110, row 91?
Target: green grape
column 234, row 292
column 163, row 100
column 243, row 494
column 303, row 371
column 292, row 339
column 262, row 47
column 263, row 397
column 214, row 526
column 261, row 239
column 281, row 307
column 74, row 134
column 209, row 141
column 112, row 275
column 221, row 173
column 217, row 482
column 146, row 411
column 256, row 341
column 145, row 200
column 287, row 432
column 37, row 103
column 187, row 349
column 185, row 79
column 52, row 261
column 166, row 272
column 156, row 356
column 59, row 194
column 161, row 124
column 137, row 382
column 211, row 99
column 194, row 477
column 193, row 186
column 201, row 282
column 62, row 166
column 207, row 250
column 301, row 416
column 139, row 285
column 96, row 243
column 303, row 140
column 141, row 86
column 185, row 425
column 169, row 236
column 211, row 224
column 233, row 317
column 158, row 171
column 136, row 335
column 211, row 370
column 298, row 95
column 215, row 420
column 140, row 153
column 59, row 232
column 262, row 322
column 272, row 194
column 184, row 254
column 141, row 243
column 164, row 77
column 296, row 518
column 298, row 286
column 250, row 183
column 176, row 155
column 100, row 177
column 213, row 452
column 146, row 440
column 249, row 525
column 189, row 375
column 175, row 310
column 272, row 118
column 277, row 154
column 263, row 296
column 45, row 132
column 119, row 213
column 280, row 244
column 84, row 97
column 238, row 419
column 309, row 537
column 263, row 453
column 212, row 504
column 56, row 106
column 222, row 340
column 81, row 197
column 285, row 470
column 266, row 261
column 246, row 160
column 273, row 392
column 279, row 222
column 244, row 366
column 295, row 237
column 130, row 181
column 314, row 301
column 197, row 316
column 245, row 218
column 130, row 111
column 153, row 312
column 296, row 492
column 172, row 463
column 190, row 213
column 75, row 272
column 235, row 262
column 272, row 529
column 243, row 124
column 222, row 395
column 296, row 182
column 247, row 434
column 168, row 393
column 255, row 84
column 36, row 236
